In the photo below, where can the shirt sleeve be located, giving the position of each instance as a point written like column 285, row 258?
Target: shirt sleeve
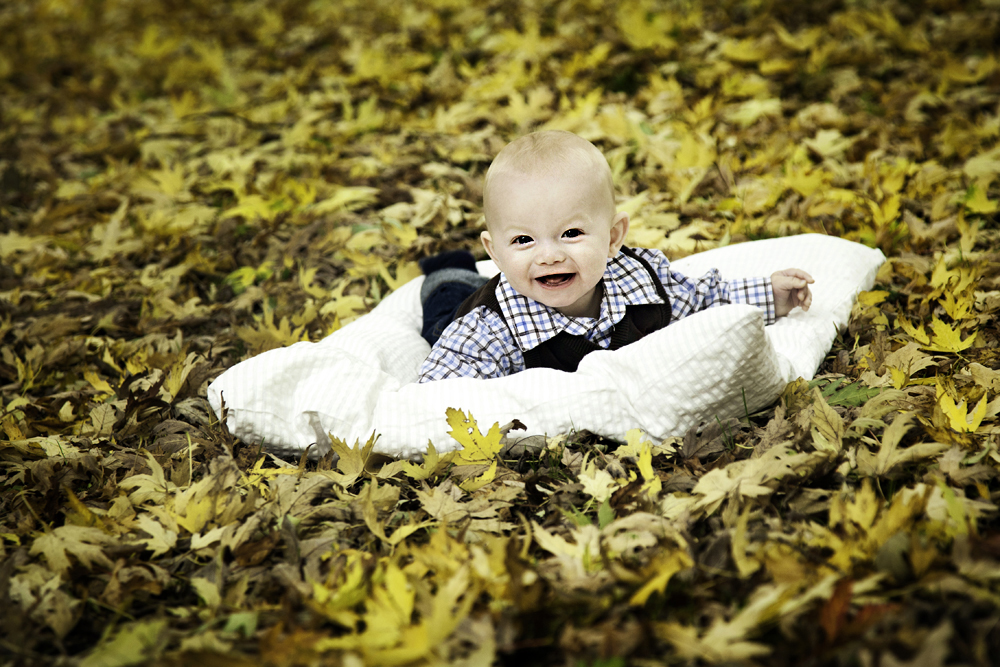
column 689, row 295
column 477, row 345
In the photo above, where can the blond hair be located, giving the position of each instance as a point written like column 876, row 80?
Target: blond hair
column 542, row 154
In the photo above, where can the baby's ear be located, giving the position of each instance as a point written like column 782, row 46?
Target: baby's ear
column 619, row 230
column 487, row 242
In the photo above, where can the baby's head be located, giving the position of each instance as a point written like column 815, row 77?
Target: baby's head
column 551, row 222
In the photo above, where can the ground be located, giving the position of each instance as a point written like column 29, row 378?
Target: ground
column 186, row 183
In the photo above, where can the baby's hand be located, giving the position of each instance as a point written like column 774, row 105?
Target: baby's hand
column 791, row 288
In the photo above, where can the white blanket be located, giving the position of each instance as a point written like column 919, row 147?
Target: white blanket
column 361, row 378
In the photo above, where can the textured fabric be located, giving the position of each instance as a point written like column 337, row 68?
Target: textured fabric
column 362, row 378
column 484, row 345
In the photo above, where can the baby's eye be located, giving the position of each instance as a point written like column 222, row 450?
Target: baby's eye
column 522, row 240
column 572, row 233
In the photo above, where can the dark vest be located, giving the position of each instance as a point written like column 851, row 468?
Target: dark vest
column 564, row 351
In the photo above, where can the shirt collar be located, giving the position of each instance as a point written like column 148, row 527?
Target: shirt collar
column 626, row 283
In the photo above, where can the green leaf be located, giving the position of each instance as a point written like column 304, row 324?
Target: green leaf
column 605, row 513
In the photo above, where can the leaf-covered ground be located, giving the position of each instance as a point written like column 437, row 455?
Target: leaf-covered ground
column 185, row 183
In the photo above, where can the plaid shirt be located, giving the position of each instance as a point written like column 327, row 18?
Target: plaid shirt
column 482, row 345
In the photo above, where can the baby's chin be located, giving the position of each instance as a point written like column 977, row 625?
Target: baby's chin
column 578, row 305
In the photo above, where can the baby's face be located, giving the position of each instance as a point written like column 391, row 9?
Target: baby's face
column 552, row 237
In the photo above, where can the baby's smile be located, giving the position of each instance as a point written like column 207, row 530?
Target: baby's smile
column 556, row 279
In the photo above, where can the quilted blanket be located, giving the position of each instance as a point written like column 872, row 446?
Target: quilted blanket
column 714, row 364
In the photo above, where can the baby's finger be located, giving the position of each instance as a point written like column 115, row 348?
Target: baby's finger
column 798, row 273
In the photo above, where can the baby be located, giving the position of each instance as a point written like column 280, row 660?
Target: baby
column 567, row 285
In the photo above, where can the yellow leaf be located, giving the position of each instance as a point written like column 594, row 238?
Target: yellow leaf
column 347, row 198
column 348, row 589
column 802, row 41
column 161, row 539
column 744, row 51
column 405, row 272
column 643, row 29
column 806, row 182
column 829, row 143
column 432, row 461
column 983, row 166
column 827, row 425
column 370, row 515
column 773, row 66
column 197, row 514
column 886, row 212
column 476, row 447
column 900, row 378
column 477, row 483
column 652, row 483
column 351, row 461
column 12, row 242
column 98, row 383
column 660, row 572
column 860, row 512
column 207, row 591
column 252, row 207
column 82, row 542
column 977, row 201
column 960, row 308
column 133, row 644
column 947, row 339
column 597, row 482
column 890, row 454
column 749, row 112
column 635, row 440
column 872, row 298
column 306, row 278
column 958, row 416
column 345, row 307
column 916, row 333
column 739, row 545
column 180, row 371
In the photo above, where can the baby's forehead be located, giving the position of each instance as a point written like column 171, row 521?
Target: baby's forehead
column 553, row 172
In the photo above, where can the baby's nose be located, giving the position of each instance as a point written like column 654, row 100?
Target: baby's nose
column 550, row 254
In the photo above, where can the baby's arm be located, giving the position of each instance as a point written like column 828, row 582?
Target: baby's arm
column 791, row 289
column 472, row 346
column 691, row 295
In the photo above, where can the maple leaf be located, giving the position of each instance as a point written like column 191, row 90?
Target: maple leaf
column 351, row 461
column 948, row 339
column 959, row 417
column 148, row 487
column 749, row 112
column 660, row 571
column 748, row 477
column 161, row 540
column 474, row 484
column 890, row 454
column 597, row 482
column 372, row 521
column 829, row 143
column 476, row 447
column 915, row 332
column 432, row 464
column 82, row 542
column 133, row 644
column 976, row 200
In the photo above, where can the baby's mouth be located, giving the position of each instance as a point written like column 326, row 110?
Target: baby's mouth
column 555, row 279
